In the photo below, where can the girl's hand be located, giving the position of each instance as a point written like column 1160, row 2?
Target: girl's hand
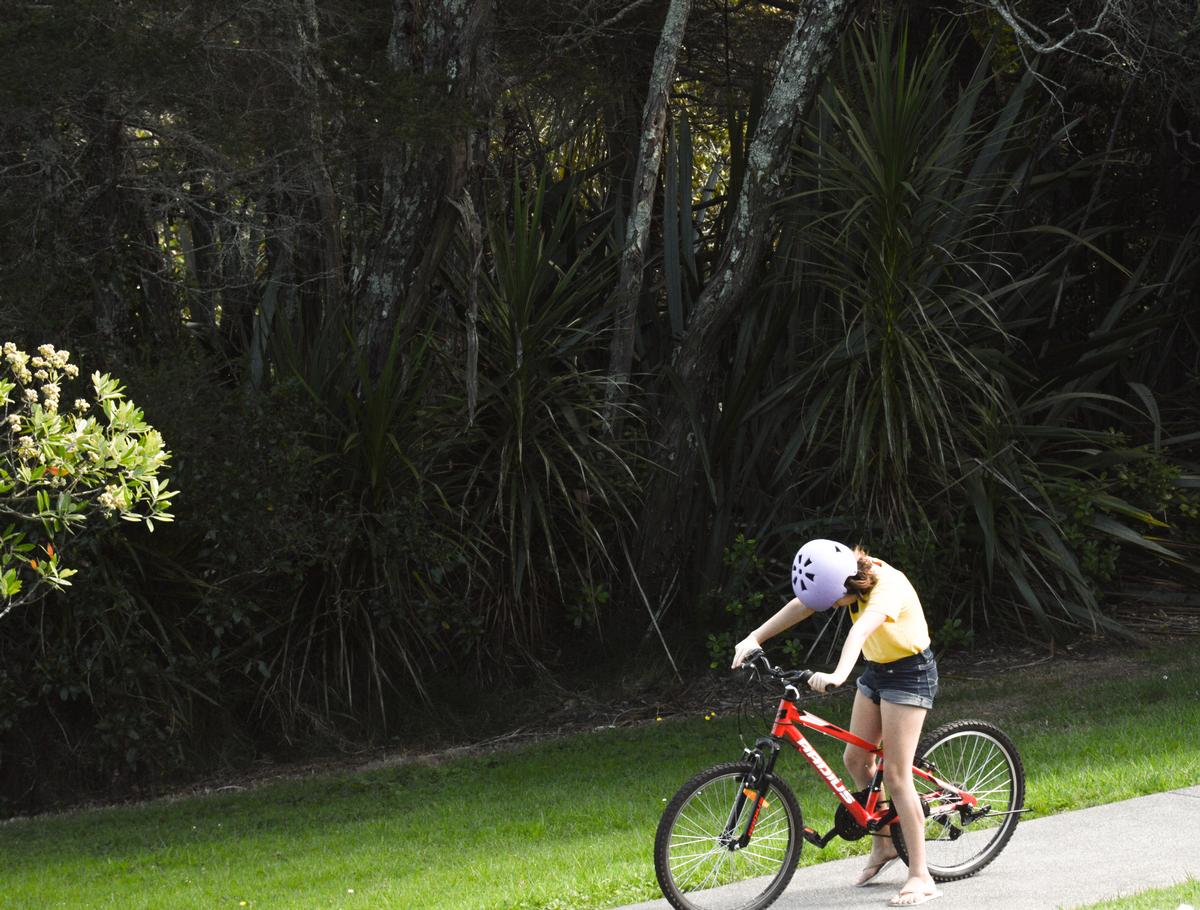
column 744, row 647
column 822, row 682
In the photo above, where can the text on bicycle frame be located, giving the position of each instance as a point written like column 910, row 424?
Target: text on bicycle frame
column 824, row 770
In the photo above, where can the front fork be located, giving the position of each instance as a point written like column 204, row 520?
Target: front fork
column 754, row 790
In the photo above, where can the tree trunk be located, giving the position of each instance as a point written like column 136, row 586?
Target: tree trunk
column 309, row 73
column 637, row 228
column 102, row 162
column 158, row 310
column 202, row 258
column 666, row 523
column 446, row 41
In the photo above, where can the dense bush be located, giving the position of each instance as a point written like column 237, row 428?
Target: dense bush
column 388, row 417
column 935, row 416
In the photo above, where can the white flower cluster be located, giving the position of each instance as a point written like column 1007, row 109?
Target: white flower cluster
column 56, row 359
column 100, row 457
column 51, row 391
column 110, row 500
column 48, row 365
column 18, row 362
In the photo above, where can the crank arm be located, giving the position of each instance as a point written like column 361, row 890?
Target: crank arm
column 819, row 840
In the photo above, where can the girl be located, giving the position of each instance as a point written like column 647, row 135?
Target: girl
column 894, row 693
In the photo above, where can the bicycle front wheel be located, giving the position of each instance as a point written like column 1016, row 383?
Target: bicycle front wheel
column 980, row 759
column 697, row 859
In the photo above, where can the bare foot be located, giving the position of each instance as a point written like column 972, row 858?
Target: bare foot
column 916, row 890
column 876, row 863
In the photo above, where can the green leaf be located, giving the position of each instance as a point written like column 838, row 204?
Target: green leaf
column 1126, row 534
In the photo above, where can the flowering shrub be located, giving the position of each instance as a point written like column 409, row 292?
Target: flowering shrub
column 67, row 469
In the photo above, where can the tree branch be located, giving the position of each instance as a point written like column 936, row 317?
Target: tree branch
column 1039, row 39
column 637, row 228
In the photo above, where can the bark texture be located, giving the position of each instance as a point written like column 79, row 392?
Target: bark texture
column 309, row 73
column 637, row 228
column 444, row 47
column 667, row 515
column 102, row 164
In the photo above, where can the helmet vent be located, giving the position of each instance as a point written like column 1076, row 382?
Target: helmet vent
column 818, row 572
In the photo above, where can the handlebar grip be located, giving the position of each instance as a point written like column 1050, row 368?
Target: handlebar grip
column 756, row 662
column 759, row 662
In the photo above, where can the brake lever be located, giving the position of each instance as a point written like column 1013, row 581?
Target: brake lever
column 755, row 664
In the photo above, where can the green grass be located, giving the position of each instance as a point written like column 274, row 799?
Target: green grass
column 567, row 824
column 1156, row 899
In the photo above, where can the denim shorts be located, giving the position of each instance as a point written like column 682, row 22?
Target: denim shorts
column 908, row 681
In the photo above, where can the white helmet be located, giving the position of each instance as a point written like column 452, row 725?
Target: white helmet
column 819, row 573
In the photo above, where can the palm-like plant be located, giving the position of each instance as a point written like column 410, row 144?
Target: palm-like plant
column 925, row 412
column 361, row 626
column 901, row 205
column 544, row 485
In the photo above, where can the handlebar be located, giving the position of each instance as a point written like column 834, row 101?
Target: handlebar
column 756, row 662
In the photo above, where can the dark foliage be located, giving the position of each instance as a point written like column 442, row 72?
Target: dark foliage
column 973, row 345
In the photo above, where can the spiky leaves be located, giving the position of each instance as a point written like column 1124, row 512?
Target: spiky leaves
column 921, row 409
column 546, row 490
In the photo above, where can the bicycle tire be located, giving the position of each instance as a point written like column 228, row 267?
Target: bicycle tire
column 969, row 754
column 697, row 814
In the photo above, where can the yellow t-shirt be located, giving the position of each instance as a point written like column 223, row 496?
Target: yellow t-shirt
column 904, row 631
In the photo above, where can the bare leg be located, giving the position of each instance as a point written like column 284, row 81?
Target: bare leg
column 866, row 722
column 901, row 731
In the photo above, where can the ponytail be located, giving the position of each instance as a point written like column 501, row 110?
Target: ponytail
column 865, row 579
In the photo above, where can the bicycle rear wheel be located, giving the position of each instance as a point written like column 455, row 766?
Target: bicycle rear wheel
column 979, row 758
column 699, row 867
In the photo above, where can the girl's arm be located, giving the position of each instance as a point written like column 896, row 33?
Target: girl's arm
column 787, row 616
column 859, row 633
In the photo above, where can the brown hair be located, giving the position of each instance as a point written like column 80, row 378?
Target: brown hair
column 866, row 579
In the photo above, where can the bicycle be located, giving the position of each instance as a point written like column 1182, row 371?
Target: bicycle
column 730, row 839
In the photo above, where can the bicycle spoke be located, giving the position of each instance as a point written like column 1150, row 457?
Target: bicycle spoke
column 1001, row 769
column 690, row 868
column 700, row 861
column 712, row 876
column 746, row 851
column 690, row 839
column 976, row 763
column 711, row 812
column 688, row 828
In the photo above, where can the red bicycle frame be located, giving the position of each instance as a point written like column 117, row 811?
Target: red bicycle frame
column 788, row 722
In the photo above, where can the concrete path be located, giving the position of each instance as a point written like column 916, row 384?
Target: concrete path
column 1067, row 860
